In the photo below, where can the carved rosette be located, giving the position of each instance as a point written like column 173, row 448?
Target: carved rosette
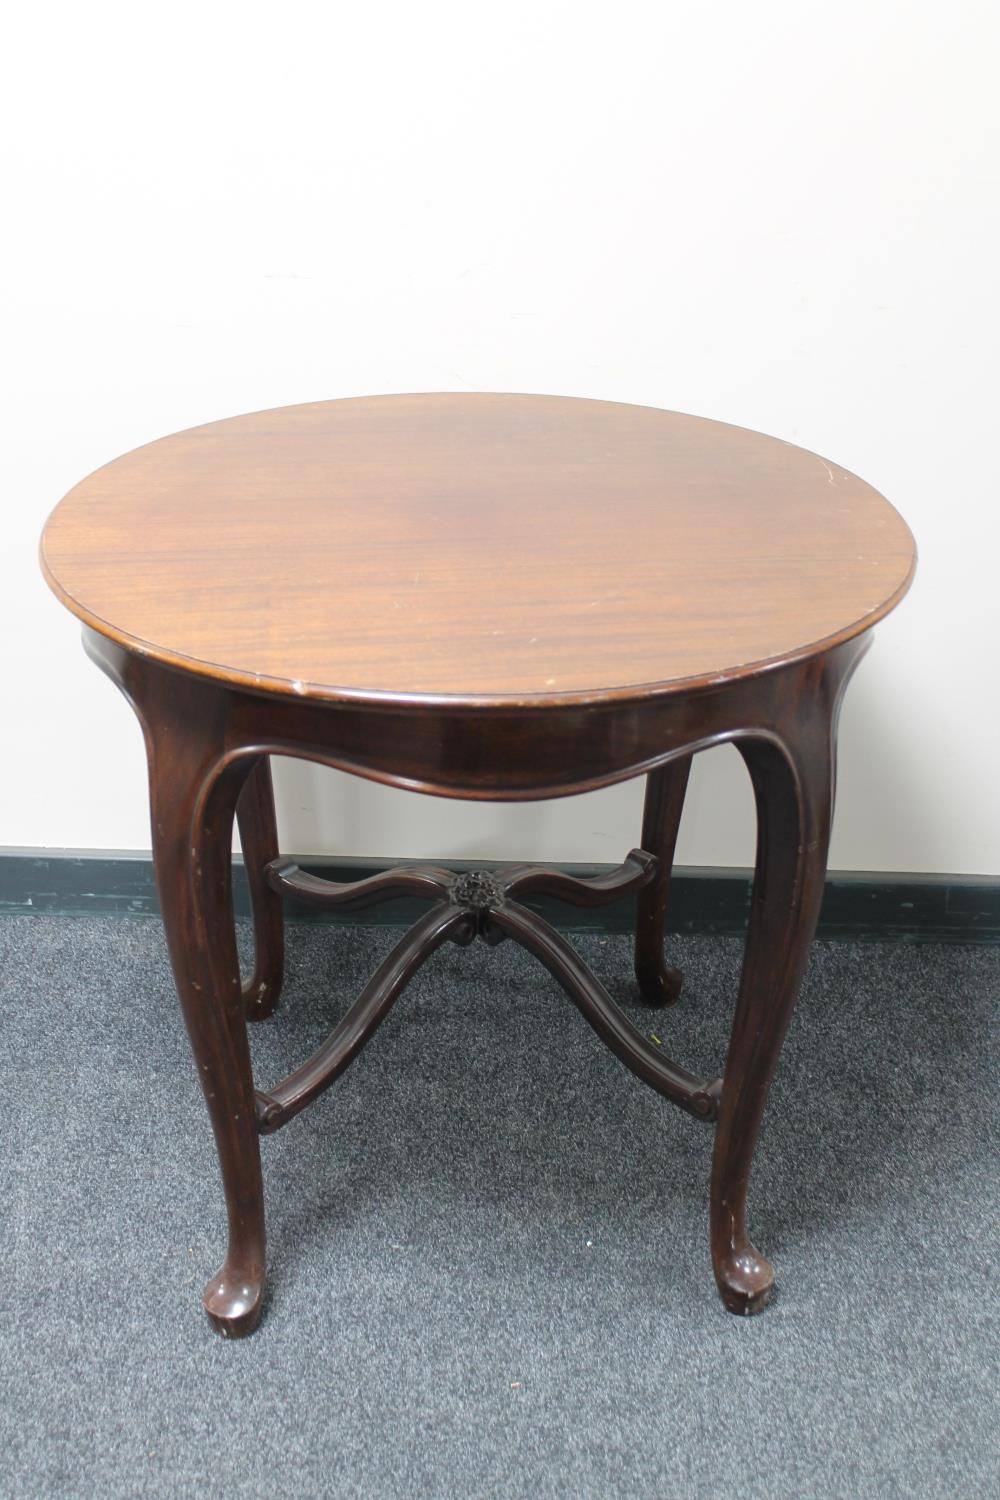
column 476, row 891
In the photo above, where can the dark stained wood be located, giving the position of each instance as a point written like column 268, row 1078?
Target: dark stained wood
column 698, row 1096
column 467, row 905
column 637, row 872
column 474, row 546
column 205, row 739
column 742, row 586
column 283, row 1101
column 430, row 881
column 259, row 842
column 793, row 774
column 434, row 883
column 193, row 805
column 659, row 982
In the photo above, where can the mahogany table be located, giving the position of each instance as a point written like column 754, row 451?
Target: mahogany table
column 495, row 597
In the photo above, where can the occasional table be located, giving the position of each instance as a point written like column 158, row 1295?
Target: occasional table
column 494, row 597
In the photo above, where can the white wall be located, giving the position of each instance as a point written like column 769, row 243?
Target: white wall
column 781, row 214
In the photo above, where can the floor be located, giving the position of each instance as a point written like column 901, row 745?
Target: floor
column 488, row 1249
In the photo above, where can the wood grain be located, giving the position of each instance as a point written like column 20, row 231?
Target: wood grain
column 483, row 549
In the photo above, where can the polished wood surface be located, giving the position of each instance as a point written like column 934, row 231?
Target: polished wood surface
column 500, row 598
column 475, row 547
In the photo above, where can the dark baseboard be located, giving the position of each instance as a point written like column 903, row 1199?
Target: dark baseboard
column 870, row 907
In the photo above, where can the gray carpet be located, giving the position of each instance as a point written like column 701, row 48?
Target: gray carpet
column 488, row 1252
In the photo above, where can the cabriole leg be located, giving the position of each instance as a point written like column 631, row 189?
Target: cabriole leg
column 259, row 841
column 659, row 983
column 793, row 789
column 192, row 817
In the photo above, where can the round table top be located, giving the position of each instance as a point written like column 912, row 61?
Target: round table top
column 477, row 548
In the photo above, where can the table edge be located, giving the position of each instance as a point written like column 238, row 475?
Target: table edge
column 390, row 698
column 384, row 698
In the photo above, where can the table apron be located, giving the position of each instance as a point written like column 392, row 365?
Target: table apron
column 498, row 754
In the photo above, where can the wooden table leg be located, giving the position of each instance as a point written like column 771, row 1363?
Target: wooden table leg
column 259, row 841
column 793, row 777
column 204, row 744
column 193, row 805
column 659, row 982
